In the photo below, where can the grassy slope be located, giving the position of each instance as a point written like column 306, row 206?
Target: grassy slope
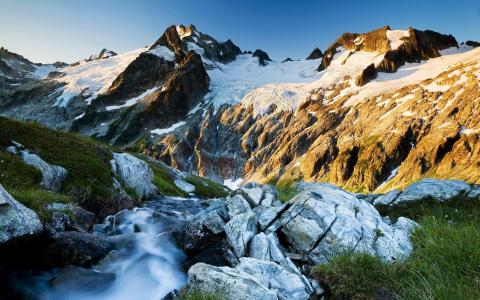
column 87, row 161
column 445, row 263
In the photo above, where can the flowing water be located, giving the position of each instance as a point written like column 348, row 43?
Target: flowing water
column 146, row 265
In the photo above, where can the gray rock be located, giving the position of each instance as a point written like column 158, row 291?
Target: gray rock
column 52, row 175
column 286, row 285
column 77, row 278
column 474, row 193
column 253, row 195
column 387, row 198
column 58, row 223
column 259, row 247
column 78, row 248
column 134, row 173
column 16, row 220
column 204, row 228
column 266, row 216
column 229, row 283
column 239, row 230
column 82, row 220
column 440, row 190
column 237, row 205
column 325, row 221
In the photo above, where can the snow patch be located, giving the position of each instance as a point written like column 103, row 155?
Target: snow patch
column 396, row 38
column 133, row 101
column 169, row 129
column 164, row 52
column 93, row 78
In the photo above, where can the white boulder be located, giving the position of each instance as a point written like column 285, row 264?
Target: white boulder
column 134, row 173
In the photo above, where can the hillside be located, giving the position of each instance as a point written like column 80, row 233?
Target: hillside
column 28, row 151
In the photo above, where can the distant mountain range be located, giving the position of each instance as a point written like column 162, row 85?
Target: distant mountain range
column 371, row 112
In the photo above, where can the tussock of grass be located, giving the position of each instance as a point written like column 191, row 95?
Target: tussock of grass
column 445, row 263
column 37, row 199
column 164, row 182
column 286, row 192
column 206, row 188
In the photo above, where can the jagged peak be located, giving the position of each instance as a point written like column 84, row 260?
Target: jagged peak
column 315, row 54
column 263, row 57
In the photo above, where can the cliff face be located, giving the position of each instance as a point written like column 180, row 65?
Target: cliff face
column 381, row 135
column 397, row 47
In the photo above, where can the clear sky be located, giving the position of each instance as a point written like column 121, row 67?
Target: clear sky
column 69, row 30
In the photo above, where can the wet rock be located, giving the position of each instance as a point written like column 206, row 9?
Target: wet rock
column 74, row 278
column 203, row 229
column 217, row 254
column 52, row 175
column 134, row 173
column 16, row 220
column 239, row 230
column 78, row 248
column 58, row 223
column 80, row 220
column 230, row 283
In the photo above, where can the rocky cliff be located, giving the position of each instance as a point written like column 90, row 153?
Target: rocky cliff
column 384, row 108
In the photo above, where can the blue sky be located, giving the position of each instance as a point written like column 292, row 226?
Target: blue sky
column 67, row 30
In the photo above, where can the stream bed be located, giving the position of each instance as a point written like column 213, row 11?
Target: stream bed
column 146, row 263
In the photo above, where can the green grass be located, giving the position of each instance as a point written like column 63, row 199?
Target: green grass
column 286, row 192
column 37, row 199
column 164, row 181
column 86, row 159
column 15, row 174
column 445, row 263
column 206, row 188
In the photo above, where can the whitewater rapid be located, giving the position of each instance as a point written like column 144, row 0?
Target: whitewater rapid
column 146, row 264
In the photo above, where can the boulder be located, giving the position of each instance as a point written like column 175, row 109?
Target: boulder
column 250, row 279
column 259, row 247
column 437, row 189
column 81, row 219
column 237, row 205
column 16, row 220
column 74, row 278
column 134, row 173
column 324, row 221
column 287, row 285
column 387, row 198
column 229, row 283
column 52, row 175
column 78, row 248
column 239, row 230
column 203, row 229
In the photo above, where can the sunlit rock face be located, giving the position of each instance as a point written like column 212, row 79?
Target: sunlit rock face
column 357, row 125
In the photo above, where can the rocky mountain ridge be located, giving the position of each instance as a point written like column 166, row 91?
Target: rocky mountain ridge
column 369, row 116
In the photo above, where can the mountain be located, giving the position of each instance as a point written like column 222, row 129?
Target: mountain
column 16, row 70
column 376, row 110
